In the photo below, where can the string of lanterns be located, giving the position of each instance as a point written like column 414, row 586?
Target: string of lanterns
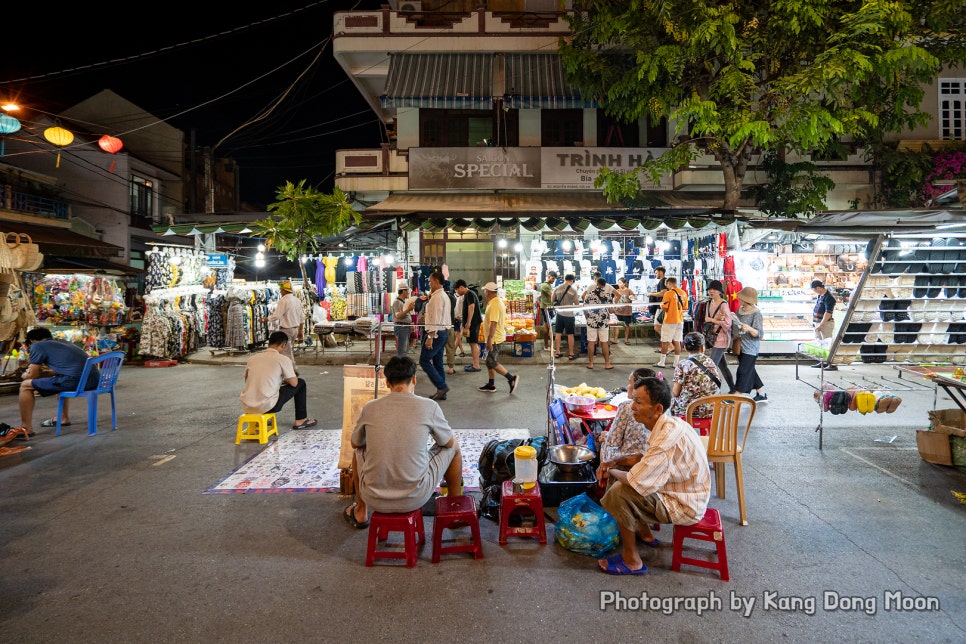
column 56, row 135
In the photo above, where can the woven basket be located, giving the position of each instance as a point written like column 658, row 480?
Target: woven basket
column 24, row 247
column 17, row 252
column 34, row 262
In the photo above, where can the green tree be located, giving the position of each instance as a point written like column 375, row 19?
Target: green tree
column 742, row 77
column 792, row 189
column 301, row 217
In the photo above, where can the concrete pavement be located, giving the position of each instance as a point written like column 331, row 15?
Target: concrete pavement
column 111, row 539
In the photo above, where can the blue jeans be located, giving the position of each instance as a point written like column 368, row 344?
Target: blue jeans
column 402, row 340
column 431, row 360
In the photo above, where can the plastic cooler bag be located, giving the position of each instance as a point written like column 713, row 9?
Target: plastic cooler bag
column 585, row 527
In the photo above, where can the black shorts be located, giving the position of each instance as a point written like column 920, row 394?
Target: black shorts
column 564, row 324
column 626, row 319
column 474, row 335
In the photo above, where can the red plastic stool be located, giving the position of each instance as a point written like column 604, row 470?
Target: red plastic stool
column 707, row 529
column 409, row 523
column 512, row 503
column 701, row 425
column 451, row 510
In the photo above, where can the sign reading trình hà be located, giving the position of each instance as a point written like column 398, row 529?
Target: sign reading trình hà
column 496, row 168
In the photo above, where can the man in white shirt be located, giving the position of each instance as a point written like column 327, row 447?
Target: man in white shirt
column 670, row 484
column 290, row 315
column 438, row 322
column 270, row 382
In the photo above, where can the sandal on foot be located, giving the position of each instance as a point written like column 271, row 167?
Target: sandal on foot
column 616, row 566
column 52, row 422
column 571, row 357
column 309, row 423
column 349, row 514
column 655, row 543
column 19, row 433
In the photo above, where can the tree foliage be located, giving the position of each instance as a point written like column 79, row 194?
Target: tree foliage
column 792, row 189
column 742, row 77
column 301, row 217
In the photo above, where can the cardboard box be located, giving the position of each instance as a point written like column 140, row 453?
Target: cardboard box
column 948, row 421
column 934, row 447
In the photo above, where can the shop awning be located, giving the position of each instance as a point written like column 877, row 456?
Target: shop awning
column 64, row 242
column 54, row 264
column 861, row 223
column 556, row 211
column 535, row 81
column 446, row 81
column 185, row 230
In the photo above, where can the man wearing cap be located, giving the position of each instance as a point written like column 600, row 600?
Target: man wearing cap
column 822, row 317
column 546, row 299
column 438, row 322
column 290, row 315
column 494, row 330
column 402, row 319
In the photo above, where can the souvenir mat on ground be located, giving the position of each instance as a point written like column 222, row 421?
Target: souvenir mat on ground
column 308, row 461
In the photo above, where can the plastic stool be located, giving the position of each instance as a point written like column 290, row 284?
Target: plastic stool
column 707, row 529
column 512, row 503
column 449, row 511
column 409, row 523
column 259, row 427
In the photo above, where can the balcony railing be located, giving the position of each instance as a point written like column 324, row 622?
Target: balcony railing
column 36, row 205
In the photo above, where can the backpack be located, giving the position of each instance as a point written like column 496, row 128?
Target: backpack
column 496, row 465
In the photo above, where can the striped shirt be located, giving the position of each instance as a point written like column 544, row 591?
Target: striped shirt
column 675, row 466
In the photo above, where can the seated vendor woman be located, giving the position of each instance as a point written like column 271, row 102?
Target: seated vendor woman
column 392, row 468
column 626, row 439
column 695, row 377
column 670, row 484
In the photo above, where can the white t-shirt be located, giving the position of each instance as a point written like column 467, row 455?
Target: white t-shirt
column 265, row 374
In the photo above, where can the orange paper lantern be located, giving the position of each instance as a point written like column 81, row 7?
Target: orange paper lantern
column 110, row 144
column 59, row 137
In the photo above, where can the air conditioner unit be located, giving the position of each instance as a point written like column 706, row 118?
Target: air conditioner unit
column 410, row 6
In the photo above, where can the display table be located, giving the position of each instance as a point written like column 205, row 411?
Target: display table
column 604, row 412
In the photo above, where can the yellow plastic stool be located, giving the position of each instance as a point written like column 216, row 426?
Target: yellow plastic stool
column 256, row 427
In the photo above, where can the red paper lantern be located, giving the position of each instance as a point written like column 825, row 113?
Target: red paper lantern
column 59, row 137
column 110, row 144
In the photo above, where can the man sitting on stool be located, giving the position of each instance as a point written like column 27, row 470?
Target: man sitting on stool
column 270, row 382
column 392, row 470
column 670, row 484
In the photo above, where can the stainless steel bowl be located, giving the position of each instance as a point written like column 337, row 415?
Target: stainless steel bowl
column 570, row 458
column 580, row 404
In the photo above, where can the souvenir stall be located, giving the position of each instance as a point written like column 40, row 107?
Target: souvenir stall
column 88, row 310
column 901, row 306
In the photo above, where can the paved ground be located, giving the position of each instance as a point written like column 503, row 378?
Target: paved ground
column 111, row 539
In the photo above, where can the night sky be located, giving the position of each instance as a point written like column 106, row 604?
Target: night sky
column 246, row 57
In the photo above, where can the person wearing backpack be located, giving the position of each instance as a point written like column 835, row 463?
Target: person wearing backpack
column 673, row 304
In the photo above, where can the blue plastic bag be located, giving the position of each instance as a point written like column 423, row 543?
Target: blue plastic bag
column 585, row 527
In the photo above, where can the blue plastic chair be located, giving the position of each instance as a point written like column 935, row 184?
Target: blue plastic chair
column 110, row 367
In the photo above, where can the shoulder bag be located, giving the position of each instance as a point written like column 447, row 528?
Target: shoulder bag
column 711, row 330
column 710, row 374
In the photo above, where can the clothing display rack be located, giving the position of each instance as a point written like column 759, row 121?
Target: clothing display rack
column 174, row 321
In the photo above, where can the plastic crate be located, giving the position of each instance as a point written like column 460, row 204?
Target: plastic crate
column 523, row 349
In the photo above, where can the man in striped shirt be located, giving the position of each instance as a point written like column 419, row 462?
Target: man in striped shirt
column 670, row 484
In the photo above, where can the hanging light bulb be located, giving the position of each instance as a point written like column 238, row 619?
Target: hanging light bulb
column 260, row 255
column 501, row 243
column 567, row 245
column 390, row 259
column 348, row 261
column 261, row 248
column 259, row 262
column 649, row 240
column 518, row 247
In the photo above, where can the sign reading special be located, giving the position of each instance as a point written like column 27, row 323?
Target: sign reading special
column 495, row 168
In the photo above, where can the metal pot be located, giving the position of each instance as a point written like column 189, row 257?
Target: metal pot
column 570, row 458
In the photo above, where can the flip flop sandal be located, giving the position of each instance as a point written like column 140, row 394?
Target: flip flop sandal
column 893, row 404
column 52, row 422
column 309, row 423
column 349, row 514
column 616, row 566
column 19, row 433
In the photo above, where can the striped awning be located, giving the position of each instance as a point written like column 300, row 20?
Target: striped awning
column 445, row 81
column 535, row 81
